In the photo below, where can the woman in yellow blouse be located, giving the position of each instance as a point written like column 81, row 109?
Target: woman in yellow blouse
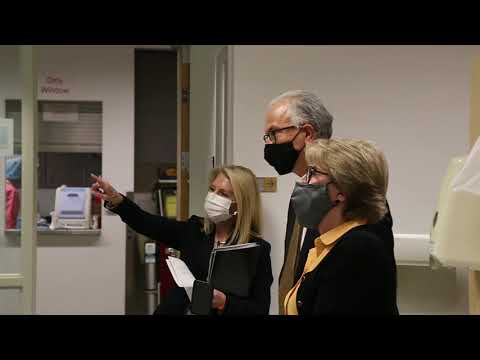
column 351, row 269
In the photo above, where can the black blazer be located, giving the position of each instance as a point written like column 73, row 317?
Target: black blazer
column 195, row 247
column 357, row 277
column 383, row 229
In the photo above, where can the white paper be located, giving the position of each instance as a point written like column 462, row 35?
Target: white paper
column 181, row 274
column 189, row 291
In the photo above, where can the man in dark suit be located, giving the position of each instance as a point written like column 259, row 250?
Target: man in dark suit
column 294, row 119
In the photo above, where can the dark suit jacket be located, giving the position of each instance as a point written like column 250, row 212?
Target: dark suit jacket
column 357, row 277
column 195, row 247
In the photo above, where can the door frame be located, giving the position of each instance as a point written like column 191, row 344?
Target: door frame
column 223, row 127
column 474, row 276
column 183, row 131
column 26, row 281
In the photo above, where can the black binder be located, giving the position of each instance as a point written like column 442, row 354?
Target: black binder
column 202, row 298
column 232, row 268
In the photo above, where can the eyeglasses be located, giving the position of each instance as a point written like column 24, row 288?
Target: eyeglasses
column 311, row 171
column 271, row 135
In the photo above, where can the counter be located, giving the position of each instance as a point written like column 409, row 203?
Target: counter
column 62, row 232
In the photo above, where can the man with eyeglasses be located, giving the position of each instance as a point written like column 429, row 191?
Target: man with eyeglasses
column 294, row 119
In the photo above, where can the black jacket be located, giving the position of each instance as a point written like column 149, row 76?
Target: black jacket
column 195, row 247
column 357, row 277
column 383, row 229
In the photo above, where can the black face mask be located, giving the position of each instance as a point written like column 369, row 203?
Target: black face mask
column 282, row 156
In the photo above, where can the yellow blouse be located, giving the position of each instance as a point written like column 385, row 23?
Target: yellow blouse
column 323, row 244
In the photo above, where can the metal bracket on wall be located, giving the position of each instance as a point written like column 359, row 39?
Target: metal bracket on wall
column 185, row 96
column 185, row 161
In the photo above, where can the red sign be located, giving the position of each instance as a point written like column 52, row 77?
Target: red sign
column 54, row 85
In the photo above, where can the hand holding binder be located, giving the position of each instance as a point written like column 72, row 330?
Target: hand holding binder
column 231, row 271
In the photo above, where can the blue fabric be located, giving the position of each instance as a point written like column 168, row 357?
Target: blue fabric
column 13, row 169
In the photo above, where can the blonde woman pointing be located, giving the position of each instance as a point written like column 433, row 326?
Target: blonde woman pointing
column 232, row 207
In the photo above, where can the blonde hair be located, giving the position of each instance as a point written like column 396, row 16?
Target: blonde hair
column 360, row 171
column 247, row 197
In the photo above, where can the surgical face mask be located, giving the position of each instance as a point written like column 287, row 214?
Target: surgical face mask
column 217, row 207
column 282, row 156
column 311, row 203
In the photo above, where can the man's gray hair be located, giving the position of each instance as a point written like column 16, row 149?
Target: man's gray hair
column 304, row 107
